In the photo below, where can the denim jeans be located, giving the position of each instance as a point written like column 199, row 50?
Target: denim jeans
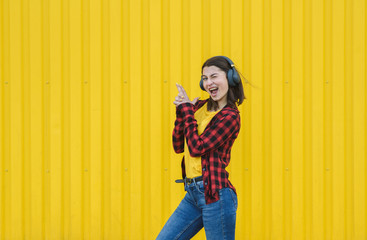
column 192, row 214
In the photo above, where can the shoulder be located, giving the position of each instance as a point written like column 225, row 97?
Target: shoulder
column 227, row 110
column 229, row 115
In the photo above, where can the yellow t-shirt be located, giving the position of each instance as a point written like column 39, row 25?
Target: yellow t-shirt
column 193, row 164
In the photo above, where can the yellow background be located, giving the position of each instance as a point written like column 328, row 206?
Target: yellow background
column 86, row 114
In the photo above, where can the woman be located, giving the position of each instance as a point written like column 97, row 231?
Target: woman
column 209, row 128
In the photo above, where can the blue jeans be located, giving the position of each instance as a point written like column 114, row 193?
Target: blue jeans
column 192, row 214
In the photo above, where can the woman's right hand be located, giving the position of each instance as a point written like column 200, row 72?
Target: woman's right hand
column 182, row 96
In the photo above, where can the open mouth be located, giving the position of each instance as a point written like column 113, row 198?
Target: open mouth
column 213, row 91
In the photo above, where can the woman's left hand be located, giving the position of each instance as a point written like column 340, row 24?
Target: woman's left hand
column 182, row 96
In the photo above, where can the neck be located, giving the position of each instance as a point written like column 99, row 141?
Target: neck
column 222, row 104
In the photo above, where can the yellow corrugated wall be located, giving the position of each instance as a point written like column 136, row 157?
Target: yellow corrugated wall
column 86, row 114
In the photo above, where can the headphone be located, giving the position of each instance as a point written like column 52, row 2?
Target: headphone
column 232, row 75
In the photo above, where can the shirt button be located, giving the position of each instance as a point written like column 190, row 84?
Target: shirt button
column 203, row 169
column 206, row 183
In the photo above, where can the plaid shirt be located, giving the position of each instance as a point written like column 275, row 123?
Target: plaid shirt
column 213, row 145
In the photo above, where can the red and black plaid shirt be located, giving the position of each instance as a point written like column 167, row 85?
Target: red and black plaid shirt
column 213, row 145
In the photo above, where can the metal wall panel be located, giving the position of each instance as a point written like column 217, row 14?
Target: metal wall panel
column 86, row 114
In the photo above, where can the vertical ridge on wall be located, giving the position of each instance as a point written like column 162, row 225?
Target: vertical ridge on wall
column 318, row 63
column 348, row 121
column 247, row 130
column 2, row 122
column 75, row 119
column 205, row 26
column 327, row 125
column 55, row 169
column 296, row 150
column 37, row 130
column 5, row 143
column 13, row 84
column 267, row 116
column 175, row 75
column 226, row 27
column 126, row 132
column 277, row 70
column 338, row 111
column 168, row 163
column 25, row 102
column 66, row 154
column 257, row 119
column 185, row 49
column 195, row 46
column 157, row 172
column 15, row 120
column 96, row 164
column 45, row 9
column 116, row 83
column 215, row 25
column 85, row 120
column 136, row 116
column 308, row 104
column 359, row 39
column 169, row 76
column 235, row 39
column 359, row 127
column 106, row 120
column 287, row 123
column 364, row 218
column 149, row 89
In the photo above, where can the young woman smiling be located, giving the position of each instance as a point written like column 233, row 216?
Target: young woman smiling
column 208, row 127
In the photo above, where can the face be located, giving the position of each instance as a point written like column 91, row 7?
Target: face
column 216, row 84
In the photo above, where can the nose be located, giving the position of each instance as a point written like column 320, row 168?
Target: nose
column 209, row 82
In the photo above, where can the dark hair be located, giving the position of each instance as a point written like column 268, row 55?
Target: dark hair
column 235, row 94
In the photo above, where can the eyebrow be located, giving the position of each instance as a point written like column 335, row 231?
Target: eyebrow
column 210, row 75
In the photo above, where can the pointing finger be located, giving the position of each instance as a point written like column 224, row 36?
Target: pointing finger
column 179, row 88
column 183, row 92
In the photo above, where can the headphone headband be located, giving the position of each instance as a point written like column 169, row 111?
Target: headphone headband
column 228, row 60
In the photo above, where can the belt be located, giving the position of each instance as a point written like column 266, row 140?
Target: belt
column 188, row 181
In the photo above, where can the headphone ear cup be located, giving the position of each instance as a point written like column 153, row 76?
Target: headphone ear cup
column 233, row 77
column 202, row 85
column 230, row 78
column 236, row 77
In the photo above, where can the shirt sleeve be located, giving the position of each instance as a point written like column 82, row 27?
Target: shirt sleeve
column 213, row 136
column 178, row 138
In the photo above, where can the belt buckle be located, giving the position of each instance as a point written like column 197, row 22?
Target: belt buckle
column 188, row 181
